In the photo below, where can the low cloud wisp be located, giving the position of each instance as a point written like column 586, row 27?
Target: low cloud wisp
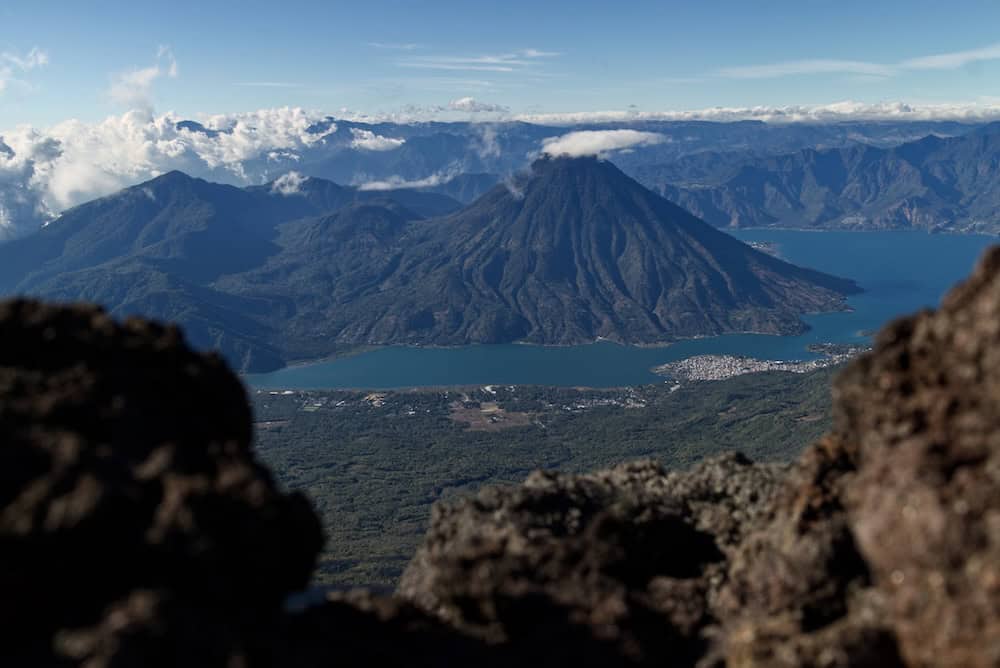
column 14, row 66
column 289, row 184
column 133, row 89
column 399, row 183
column 366, row 140
column 939, row 61
column 598, row 142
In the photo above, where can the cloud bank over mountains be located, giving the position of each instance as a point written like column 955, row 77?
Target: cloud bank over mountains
column 21, row 199
column 838, row 112
column 45, row 171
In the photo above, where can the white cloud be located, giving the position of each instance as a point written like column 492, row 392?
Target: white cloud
column 820, row 66
column 34, row 58
column 14, row 66
column 513, row 61
column 941, row 61
column 268, row 84
column 288, row 184
column 474, row 106
column 398, row 182
column 981, row 110
column 22, row 204
column 598, row 142
column 821, row 113
column 487, row 144
column 953, row 60
column 42, row 173
column 428, row 64
column 366, row 140
column 132, row 89
column 395, row 46
column 535, row 53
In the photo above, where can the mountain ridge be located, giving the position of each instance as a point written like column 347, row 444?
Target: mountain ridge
column 934, row 184
column 570, row 252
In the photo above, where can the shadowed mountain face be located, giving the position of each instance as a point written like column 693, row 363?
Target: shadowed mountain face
column 571, row 252
column 466, row 188
column 189, row 227
column 578, row 251
column 948, row 184
column 159, row 248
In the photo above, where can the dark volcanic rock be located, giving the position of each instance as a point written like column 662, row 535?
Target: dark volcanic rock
column 358, row 629
column 631, row 556
column 798, row 592
column 133, row 515
column 924, row 413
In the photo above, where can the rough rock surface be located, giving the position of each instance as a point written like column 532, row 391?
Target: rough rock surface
column 632, row 556
column 134, row 520
column 136, row 528
column 923, row 417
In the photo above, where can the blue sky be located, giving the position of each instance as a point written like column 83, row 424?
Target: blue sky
column 89, row 60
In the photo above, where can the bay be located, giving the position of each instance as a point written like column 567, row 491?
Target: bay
column 899, row 271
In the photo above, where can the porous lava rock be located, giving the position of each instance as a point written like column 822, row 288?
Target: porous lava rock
column 923, row 416
column 632, row 557
column 135, row 521
column 797, row 591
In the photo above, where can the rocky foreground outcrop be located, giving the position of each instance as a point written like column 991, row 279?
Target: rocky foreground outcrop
column 137, row 528
column 135, row 524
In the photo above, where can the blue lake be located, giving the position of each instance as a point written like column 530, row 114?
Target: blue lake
column 900, row 272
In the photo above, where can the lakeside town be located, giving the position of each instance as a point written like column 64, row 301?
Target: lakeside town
column 721, row 367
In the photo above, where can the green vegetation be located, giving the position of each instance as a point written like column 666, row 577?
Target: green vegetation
column 374, row 463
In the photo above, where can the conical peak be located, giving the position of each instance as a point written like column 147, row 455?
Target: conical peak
column 174, row 176
column 561, row 163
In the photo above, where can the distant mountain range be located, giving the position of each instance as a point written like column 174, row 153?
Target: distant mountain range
column 935, row 184
column 411, row 153
column 302, row 268
column 459, row 159
column 465, row 188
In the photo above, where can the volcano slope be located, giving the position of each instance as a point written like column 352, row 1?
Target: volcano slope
column 573, row 252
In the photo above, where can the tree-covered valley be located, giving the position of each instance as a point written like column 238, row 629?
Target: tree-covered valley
column 374, row 463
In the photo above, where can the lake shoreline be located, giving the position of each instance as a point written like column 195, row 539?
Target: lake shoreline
column 900, row 272
column 370, row 348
